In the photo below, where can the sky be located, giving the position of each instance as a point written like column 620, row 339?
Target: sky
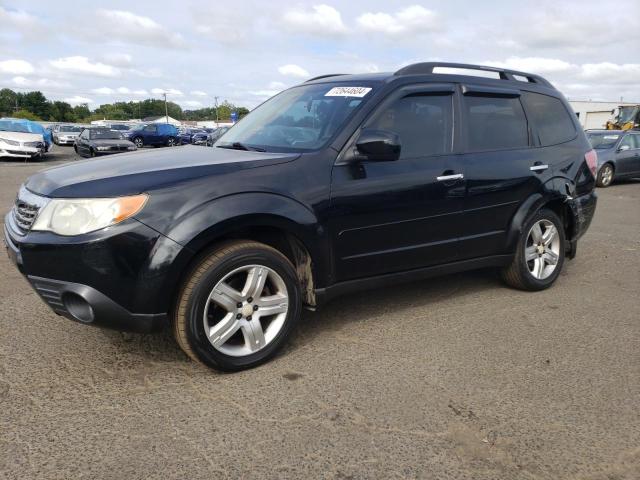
column 246, row 51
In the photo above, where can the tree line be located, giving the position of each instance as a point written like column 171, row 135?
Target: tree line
column 35, row 106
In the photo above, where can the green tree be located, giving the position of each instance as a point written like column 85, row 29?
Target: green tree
column 81, row 112
column 26, row 114
column 8, row 100
column 35, row 102
column 61, row 112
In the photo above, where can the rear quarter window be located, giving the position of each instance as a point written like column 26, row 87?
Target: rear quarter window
column 550, row 117
column 494, row 123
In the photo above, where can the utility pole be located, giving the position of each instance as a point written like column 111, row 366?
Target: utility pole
column 217, row 118
column 166, row 111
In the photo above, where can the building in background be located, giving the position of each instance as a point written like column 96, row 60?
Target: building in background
column 595, row 114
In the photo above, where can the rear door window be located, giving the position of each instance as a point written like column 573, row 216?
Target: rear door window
column 553, row 122
column 494, row 123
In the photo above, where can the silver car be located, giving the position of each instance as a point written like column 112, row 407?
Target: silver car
column 66, row 134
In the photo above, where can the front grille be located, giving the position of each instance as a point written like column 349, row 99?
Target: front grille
column 26, row 209
column 34, row 144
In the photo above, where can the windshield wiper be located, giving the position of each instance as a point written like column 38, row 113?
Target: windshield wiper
column 241, row 146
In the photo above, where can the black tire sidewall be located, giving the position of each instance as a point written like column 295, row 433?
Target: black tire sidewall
column 196, row 336
column 533, row 283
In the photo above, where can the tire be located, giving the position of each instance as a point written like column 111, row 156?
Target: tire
column 605, row 175
column 195, row 313
column 519, row 273
column 170, row 142
column 92, row 153
column 139, row 142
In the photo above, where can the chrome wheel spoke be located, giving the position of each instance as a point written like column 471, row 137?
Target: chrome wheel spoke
column 254, row 284
column 536, row 233
column 549, row 235
column 226, row 296
column 254, row 335
column 530, row 253
column 272, row 305
column 538, row 267
column 550, row 257
column 222, row 331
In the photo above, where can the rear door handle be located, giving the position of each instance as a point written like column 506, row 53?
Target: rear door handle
column 448, row 178
column 538, row 168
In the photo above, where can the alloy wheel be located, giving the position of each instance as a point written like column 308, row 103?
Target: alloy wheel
column 542, row 250
column 246, row 310
column 606, row 176
column 139, row 143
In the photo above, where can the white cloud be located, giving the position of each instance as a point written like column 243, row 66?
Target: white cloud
column 118, row 59
column 103, row 91
column 77, row 100
column 26, row 24
column 199, row 93
column 131, row 28
column 538, row 65
column 23, row 82
column 140, row 92
column 277, row 86
column 82, row 65
column 123, row 90
column 16, row 67
column 292, row 70
column 322, row 20
column 414, row 19
column 168, row 91
column 611, row 72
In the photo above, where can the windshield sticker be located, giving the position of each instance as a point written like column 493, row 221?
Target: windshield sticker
column 348, row 92
column 611, row 137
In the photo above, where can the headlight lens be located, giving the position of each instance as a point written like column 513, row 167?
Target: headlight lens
column 70, row 216
column 102, row 149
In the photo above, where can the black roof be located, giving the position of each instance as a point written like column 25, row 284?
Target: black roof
column 427, row 69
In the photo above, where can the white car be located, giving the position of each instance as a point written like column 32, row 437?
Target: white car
column 21, row 144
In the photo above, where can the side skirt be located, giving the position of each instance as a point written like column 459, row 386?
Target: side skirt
column 323, row 295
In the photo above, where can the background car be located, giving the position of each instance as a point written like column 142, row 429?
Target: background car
column 101, row 141
column 192, row 136
column 120, row 127
column 154, row 134
column 34, row 127
column 618, row 154
column 213, row 137
column 65, row 134
column 16, row 141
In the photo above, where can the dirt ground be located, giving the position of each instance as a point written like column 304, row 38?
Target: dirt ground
column 452, row 378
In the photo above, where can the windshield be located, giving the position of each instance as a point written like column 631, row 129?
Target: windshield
column 299, row 119
column 603, row 140
column 626, row 114
column 70, row 128
column 138, row 127
column 105, row 135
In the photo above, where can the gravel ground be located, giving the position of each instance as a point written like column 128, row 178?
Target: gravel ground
column 456, row 377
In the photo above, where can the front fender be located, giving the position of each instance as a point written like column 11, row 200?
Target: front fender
column 213, row 220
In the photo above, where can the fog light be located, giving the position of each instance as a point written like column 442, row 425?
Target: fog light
column 78, row 307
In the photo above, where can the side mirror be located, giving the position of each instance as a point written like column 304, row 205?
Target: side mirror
column 378, row 146
column 624, row 148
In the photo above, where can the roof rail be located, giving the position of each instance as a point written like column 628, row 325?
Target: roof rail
column 324, row 76
column 505, row 74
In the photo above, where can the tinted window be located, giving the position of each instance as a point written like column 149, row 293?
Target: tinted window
column 635, row 140
column 628, row 141
column 423, row 123
column 603, row 140
column 552, row 120
column 150, row 128
column 495, row 123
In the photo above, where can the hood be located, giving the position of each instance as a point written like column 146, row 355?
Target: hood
column 146, row 170
column 21, row 136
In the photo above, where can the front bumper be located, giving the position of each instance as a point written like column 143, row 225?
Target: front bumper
column 20, row 152
column 94, row 282
column 66, row 141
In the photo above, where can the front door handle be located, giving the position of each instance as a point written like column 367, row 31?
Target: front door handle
column 538, row 168
column 448, row 178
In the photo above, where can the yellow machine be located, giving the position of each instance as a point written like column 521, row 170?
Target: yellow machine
column 626, row 118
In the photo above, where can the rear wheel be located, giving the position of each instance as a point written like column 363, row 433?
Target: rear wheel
column 605, row 175
column 237, row 306
column 540, row 253
column 139, row 143
column 170, row 142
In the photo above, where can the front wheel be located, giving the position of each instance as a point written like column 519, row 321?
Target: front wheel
column 170, row 142
column 237, row 306
column 540, row 253
column 139, row 143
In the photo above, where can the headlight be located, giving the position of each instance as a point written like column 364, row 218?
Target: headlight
column 102, row 149
column 10, row 142
column 69, row 216
column 131, row 147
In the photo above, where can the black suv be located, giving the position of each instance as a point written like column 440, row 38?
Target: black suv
column 342, row 183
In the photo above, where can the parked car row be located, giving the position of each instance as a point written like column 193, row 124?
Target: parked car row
column 618, row 154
